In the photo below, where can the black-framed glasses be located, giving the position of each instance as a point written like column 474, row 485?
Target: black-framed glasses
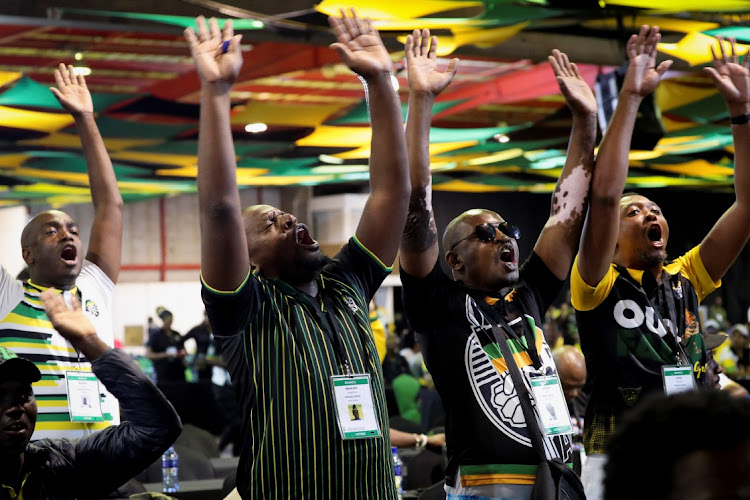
column 486, row 232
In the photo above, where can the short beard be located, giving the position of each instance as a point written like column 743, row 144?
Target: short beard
column 653, row 259
column 307, row 270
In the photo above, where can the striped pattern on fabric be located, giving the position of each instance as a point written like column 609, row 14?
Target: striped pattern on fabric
column 27, row 331
column 281, row 366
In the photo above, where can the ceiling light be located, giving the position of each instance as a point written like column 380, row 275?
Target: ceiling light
column 502, row 138
column 255, row 128
column 331, row 159
column 81, row 70
column 78, row 56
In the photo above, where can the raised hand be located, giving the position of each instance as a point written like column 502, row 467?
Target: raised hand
column 217, row 54
column 70, row 321
column 71, row 91
column 574, row 88
column 359, row 45
column 422, row 65
column 731, row 78
column 643, row 75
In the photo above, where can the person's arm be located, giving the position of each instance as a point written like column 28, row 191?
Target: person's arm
column 603, row 221
column 409, row 440
column 558, row 241
column 722, row 245
column 105, row 242
column 359, row 46
column 224, row 258
column 419, row 243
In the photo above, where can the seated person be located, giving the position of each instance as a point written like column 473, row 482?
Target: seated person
column 95, row 465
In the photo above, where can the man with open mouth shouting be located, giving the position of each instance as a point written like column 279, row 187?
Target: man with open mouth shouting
column 293, row 325
column 53, row 251
column 490, row 446
column 637, row 313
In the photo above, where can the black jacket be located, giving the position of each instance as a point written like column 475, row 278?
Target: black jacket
column 96, row 465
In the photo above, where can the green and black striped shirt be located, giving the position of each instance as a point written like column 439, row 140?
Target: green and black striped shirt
column 277, row 344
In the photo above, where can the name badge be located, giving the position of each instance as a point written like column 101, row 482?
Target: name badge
column 677, row 378
column 83, row 397
column 355, row 410
column 551, row 405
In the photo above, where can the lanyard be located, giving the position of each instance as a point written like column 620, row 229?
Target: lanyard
column 494, row 314
column 674, row 327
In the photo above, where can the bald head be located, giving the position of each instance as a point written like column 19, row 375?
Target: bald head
column 462, row 226
column 571, row 368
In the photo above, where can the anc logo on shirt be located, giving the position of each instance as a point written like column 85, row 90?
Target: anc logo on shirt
column 352, row 305
column 493, row 387
column 90, row 307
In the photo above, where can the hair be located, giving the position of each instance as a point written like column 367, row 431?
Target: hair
column 630, row 193
column 661, row 430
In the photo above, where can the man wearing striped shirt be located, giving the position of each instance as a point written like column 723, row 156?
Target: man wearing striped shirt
column 287, row 317
column 53, row 251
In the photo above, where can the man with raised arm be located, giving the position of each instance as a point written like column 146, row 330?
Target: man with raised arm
column 490, row 454
column 294, row 325
column 637, row 313
column 53, row 251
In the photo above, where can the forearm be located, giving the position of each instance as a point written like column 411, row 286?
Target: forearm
column 388, row 159
column 614, row 151
column 104, row 190
column 419, row 243
column 224, row 259
column 741, row 135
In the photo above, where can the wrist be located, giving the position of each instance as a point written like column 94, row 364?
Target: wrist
column 82, row 115
column 738, row 109
column 379, row 78
column 630, row 97
column 217, row 88
column 423, row 95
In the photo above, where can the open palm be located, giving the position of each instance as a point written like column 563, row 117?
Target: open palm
column 731, row 78
column 215, row 61
column 359, row 45
column 643, row 75
column 422, row 64
column 70, row 321
column 71, row 91
column 574, row 88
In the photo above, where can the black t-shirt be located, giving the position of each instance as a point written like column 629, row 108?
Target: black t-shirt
column 167, row 369
column 485, row 425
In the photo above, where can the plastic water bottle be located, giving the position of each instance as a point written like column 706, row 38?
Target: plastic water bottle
column 169, row 463
column 398, row 466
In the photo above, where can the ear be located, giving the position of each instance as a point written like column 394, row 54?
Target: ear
column 27, row 257
column 454, row 261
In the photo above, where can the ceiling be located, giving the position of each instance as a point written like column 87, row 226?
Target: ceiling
column 501, row 125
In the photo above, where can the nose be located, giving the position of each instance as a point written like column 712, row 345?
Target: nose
column 651, row 217
column 289, row 221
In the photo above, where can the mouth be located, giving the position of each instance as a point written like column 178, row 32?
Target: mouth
column 508, row 256
column 304, row 239
column 15, row 428
column 654, row 235
column 69, row 255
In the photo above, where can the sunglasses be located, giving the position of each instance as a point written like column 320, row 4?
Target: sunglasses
column 486, row 232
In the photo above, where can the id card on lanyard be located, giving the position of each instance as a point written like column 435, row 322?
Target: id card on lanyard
column 83, row 397
column 551, row 406
column 355, row 410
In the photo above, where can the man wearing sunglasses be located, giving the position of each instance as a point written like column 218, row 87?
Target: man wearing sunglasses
column 490, row 454
column 637, row 313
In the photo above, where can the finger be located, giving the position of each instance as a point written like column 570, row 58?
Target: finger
column 433, row 48
column 353, row 24
column 56, row 93
column 58, row 78
column 641, row 41
column 409, row 46
column 576, row 73
column 202, row 28
column 64, row 74
column 566, row 64
column 721, row 49
column 631, row 46
column 75, row 304
column 717, row 62
column 235, row 45
column 424, row 43
column 228, row 33
column 72, row 79
column 733, row 41
column 214, row 31
column 339, row 29
column 452, row 68
column 713, row 74
column 363, row 26
column 554, row 62
column 191, row 37
column 663, row 67
column 343, row 51
column 81, row 80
